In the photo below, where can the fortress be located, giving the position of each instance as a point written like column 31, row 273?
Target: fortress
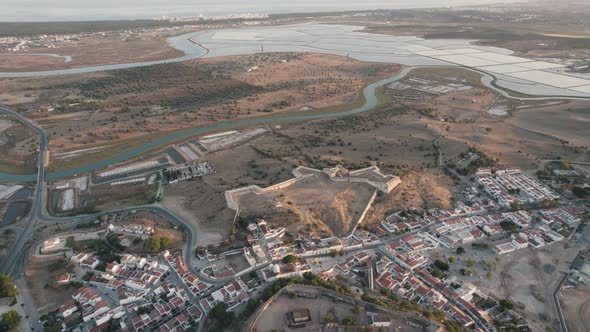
column 370, row 175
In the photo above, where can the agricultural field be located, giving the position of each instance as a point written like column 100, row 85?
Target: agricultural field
column 567, row 121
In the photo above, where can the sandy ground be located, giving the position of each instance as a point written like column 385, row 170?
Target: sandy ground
column 576, row 308
column 40, row 283
column 527, row 276
column 208, row 233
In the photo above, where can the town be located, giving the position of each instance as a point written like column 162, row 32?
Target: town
column 428, row 259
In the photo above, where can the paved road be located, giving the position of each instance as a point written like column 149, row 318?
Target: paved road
column 38, row 198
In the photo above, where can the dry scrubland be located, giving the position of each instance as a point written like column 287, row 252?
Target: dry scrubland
column 399, row 141
column 527, row 277
column 531, row 131
column 17, row 147
column 127, row 107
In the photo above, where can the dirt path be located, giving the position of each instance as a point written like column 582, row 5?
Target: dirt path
column 584, row 315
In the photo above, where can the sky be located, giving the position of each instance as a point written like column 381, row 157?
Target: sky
column 85, row 10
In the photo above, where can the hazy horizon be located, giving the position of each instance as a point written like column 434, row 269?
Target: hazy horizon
column 85, row 10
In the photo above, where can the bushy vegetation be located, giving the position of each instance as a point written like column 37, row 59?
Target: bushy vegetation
column 7, row 286
column 157, row 244
column 509, row 226
column 480, row 245
column 10, row 321
column 308, row 279
column 581, row 192
column 289, row 259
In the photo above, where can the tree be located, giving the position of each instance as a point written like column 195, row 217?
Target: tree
column 437, row 273
column 581, row 192
column 7, row 286
column 220, row 318
column 460, row 250
column 76, row 284
column 289, row 259
column 218, row 311
column 330, row 317
column 564, row 164
column 509, row 226
column 506, row 303
column 441, row 265
column 470, row 262
column 158, row 244
column 348, row 321
column 452, row 259
column 11, row 319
